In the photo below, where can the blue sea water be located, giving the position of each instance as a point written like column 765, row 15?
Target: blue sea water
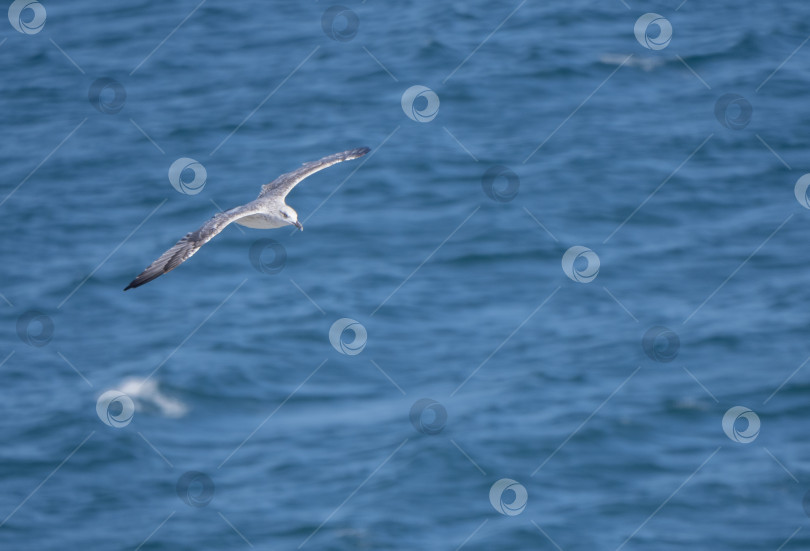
column 647, row 390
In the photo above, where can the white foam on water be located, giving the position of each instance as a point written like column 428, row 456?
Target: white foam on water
column 147, row 396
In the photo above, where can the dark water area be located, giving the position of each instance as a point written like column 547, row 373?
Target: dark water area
column 566, row 291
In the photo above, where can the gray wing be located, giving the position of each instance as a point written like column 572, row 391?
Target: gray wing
column 282, row 185
column 190, row 244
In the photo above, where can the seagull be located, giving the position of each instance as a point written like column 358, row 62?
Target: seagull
column 268, row 210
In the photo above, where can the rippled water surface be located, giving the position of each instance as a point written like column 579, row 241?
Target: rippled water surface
column 644, row 390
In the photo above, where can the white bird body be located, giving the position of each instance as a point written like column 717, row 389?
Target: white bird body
column 261, row 222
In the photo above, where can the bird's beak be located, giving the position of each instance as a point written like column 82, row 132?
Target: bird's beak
column 298, row 225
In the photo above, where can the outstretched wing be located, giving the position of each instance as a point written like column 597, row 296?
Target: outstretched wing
column 190, row 244
column 282, row 185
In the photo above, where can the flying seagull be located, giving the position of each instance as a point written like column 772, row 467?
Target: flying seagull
column 268, row 210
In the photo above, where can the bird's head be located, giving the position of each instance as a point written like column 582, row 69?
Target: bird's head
column 289, row 216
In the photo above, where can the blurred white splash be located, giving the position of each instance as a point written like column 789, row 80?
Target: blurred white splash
column 148, row 397
column 644, row 63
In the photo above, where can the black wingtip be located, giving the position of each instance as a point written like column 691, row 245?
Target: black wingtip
column 362, row 151
column 142, row 279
